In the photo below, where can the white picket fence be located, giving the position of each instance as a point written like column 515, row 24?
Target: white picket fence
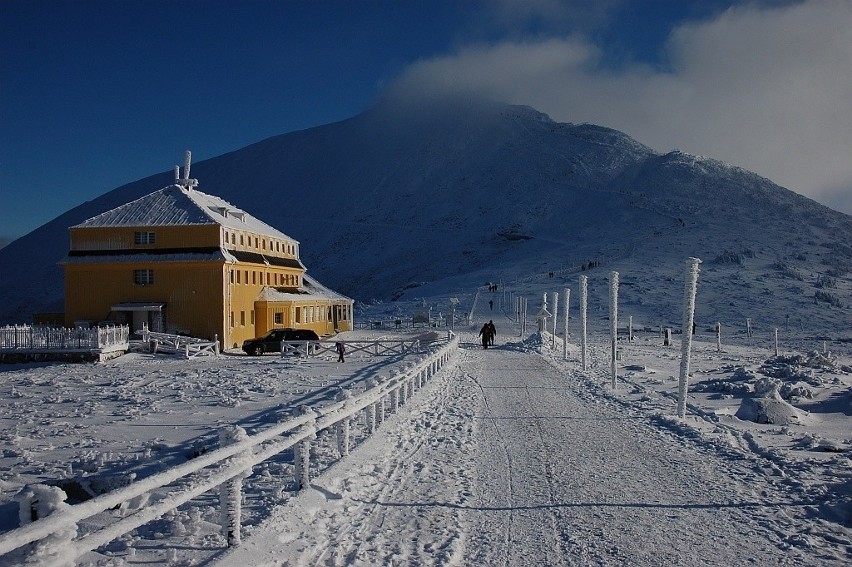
column 56, row 539
column 190, row 347
column 39, row 339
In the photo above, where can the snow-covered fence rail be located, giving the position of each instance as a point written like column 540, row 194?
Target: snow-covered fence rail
column 375, row 348
column 190, row 347
column 55, row 534
column 37, row 338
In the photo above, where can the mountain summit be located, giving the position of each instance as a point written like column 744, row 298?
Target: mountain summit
column 401, row 197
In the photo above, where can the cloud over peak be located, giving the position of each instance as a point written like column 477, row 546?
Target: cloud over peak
column 766, row 88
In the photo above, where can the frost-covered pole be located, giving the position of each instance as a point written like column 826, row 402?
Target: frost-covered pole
column 380, row 405
column 231, row 492
column 690, row 287
column 613, row 323
column 776, row 342
column 302, row 453
column 565, row 334
column 718, row 337
column 371, row 410
column 630, row 329
column 555, row 311
column 748, row 327
column 343, row 425
column 584, row 303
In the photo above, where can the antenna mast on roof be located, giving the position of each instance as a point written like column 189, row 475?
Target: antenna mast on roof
column 185, row 182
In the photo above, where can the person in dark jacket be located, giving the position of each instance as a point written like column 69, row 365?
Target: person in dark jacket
column 492, row 332
column 484, row 332
column 341, row 350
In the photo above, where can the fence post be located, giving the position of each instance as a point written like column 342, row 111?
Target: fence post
column 39, row 501
column 231, row 492
column 718, row 337
column 776, row 342
column 555, row 318
column 216, row 345
column 343, row 425
column 302, row 453
column 690, row 288
column 613, row 324
column 584, row 304
column 565, row 333
column 371, row 410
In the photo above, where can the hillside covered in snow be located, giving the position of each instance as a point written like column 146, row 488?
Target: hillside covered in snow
column 400, row 202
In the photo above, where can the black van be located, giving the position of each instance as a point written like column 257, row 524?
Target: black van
column 271, row 341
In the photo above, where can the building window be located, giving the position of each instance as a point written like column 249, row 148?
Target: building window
column 232, row 319
column 279, row 318
column 242, row 318
column 238, row 276
column 143, row 237
column 241, row 240
column 143, row 277
column 252, row 316
column 253, row 277
column 298, row 314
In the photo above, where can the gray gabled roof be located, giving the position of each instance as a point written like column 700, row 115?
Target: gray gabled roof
column 177, row 206
column 311, row 289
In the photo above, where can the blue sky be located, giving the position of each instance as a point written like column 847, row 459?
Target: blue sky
column 95, row 94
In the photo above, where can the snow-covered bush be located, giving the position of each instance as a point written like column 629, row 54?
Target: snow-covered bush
column 826, row 297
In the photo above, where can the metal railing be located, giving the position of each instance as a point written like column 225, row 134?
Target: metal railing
column 38, row 338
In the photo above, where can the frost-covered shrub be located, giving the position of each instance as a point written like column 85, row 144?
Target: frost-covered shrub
column 826, row 297
column 788, row 271
column 728, row 258
column 722, row 387
column 789, row 391
column 744, row 374
column 766, row 386
column 825, row 282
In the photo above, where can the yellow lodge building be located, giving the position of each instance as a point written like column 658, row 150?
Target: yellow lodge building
column 185, row 262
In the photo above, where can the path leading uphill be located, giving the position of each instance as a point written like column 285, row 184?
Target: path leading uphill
column 507, row 458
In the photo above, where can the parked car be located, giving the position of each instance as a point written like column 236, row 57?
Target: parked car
column 271, row 341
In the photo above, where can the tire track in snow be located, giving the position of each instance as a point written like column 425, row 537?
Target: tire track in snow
column 512, row 393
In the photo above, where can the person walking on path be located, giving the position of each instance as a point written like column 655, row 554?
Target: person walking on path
column 484, row 332
column 491, row 304
column 341, row 350
column 492, row 332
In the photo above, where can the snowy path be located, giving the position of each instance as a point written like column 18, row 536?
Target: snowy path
column 507, row 458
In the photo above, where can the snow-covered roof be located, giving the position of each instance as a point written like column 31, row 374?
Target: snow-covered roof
column 310, row 289
column 176, row 206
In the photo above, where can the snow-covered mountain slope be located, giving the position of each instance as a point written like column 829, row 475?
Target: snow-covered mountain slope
column 399, row 198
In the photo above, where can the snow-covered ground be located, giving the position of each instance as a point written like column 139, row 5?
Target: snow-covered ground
column 512, row 455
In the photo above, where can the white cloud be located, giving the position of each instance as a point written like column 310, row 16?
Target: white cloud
column 769, row 89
